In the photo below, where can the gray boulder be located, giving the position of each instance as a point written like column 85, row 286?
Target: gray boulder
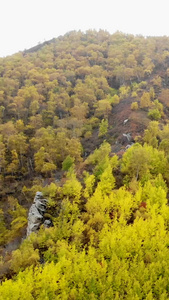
column 47, row 223
column 36, row 213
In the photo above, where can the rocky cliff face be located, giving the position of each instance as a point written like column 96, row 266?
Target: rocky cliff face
column 36, row 213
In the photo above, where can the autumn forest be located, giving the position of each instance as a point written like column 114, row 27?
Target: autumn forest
column 84, row 119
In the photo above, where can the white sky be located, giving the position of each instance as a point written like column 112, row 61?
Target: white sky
column 24, row 23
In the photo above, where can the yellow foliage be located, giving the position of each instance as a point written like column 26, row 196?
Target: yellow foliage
column 24, row 257
column 72, row 187
column 134, row 106
column 145, row 100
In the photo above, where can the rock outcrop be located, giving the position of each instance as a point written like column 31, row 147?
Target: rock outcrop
column 128, row 136
column 36, row 213
column 125, row 121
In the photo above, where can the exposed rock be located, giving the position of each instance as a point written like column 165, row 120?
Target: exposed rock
column 36, row 213
column 47, row 223
column 125, row 121
column 128, row 146
column 128, row 136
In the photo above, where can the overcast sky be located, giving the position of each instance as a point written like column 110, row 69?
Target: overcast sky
column 25, row 23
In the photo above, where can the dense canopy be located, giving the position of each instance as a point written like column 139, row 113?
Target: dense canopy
column 84, row 118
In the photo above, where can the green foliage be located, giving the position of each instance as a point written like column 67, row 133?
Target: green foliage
column 100, row 159
column 67, row 163
column 126, row 256
column 154, row 114
column 50, row 192
column 103, row 128
column 143, row 162
column 107, row 180
column 108, row 241
column 72, row 187
column 158, row 106
column 103, row 151
column 124, row 91
column 151, row 134
column 89, row 181
column 164, row 145
column 24, row 257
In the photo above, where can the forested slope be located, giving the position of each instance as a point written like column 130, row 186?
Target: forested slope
column 84, row 118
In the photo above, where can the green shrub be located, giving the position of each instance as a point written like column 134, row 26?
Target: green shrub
column 154, row 114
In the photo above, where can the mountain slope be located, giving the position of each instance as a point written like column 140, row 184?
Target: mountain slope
column 84, row 119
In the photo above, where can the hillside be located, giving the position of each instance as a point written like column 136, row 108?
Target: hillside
column 84, row 119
